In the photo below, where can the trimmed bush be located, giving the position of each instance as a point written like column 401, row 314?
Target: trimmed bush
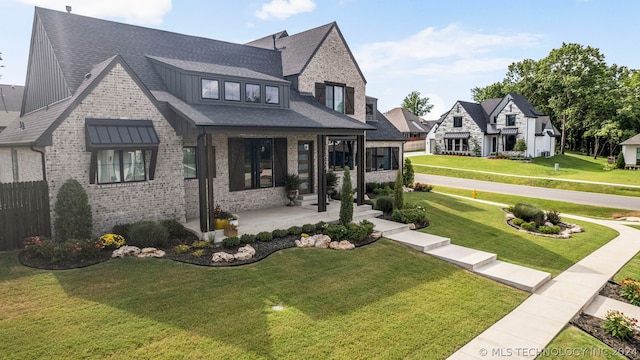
column 247, row 238
column 181, row 249
column 422, row 187
column 320, row 225
column 232, row 242
column 73, row 212
column 555, row 229
column 148, row 234
column 417, row 215
column 528, row 212
column 175, row 229
column 295, row 230
column 264, row 236
column 56, row 251
column 359, row 232
column 398, row 191
column 121, row 229
column 279, row 233
column 336, row 232
column 384, row 204
column 553, row 216
column 308, row 228
column 346, row 198
column 408, row 175
column 385, row 191
column 198, row 253
column 620, row 163
column 529, row 226
column 518, row 222
column 200, row 244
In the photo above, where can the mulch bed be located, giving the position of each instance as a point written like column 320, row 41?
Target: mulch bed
column 26, row 259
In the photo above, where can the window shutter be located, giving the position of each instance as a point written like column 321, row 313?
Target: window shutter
column 349, row 107
column 320, row 93
column 236, row 164
column 395, row 158
column 279, row 160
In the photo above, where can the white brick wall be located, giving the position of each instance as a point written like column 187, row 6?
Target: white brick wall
column 29, row 165
column 468, row 125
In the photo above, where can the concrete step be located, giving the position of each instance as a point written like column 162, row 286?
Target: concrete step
column 520, row 277
column 418, row 240
column 469, row 259
column 387, row 228
column 363, row 214
column 306, row 199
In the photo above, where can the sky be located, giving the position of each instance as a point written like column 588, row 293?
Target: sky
column 441, row 49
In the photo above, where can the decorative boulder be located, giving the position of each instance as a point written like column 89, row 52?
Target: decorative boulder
column 240, row 256
column 247, row 249
column 510, row 216
column 342, row 245
column 321, row 241
column 548, row 224
column 576, row 229
column 305, row 242
column 222, row 257
column 125, row 251
column 376, row 234
column 412, row 226
column 150, row 252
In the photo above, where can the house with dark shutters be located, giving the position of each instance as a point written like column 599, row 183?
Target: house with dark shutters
column 494, row 126
column 159, row 125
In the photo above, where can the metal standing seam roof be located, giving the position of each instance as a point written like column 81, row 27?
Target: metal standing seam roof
column 509, row 131
column 119, row 133
column 457, row 135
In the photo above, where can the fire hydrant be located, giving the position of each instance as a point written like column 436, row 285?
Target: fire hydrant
column 474, row 194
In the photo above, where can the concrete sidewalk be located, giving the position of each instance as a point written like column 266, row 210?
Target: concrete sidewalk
column 529, row 328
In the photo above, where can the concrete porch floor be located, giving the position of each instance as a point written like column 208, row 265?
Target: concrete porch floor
column 283, row 217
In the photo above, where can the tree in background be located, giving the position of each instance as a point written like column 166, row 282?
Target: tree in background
column 417, row 105
column 408, row 174
column 346, row 198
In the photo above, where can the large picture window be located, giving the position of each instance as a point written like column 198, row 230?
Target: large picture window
column 457, row 145
column 509, row 142
column 256, row 163
column 341, row 154
column 189, row 162
column 115, row 166
column 383, row 158
column 210, row 89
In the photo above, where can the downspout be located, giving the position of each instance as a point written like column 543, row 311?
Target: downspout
column 44, row 169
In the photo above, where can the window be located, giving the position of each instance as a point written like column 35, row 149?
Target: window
column 341, row 154
column 116, row 166
column 338, row 97
column 272, row 94
column 210, row 89
column 252, row 93
column 509, row 142
column 189, row 162
column 511, row 120
column 382, row 158
column 369, row 109
column 457, row 121
column 14, row 165
column 256, row 163
column 637, row 156
column 457, row 145
column 334, row 96
column 231, row 91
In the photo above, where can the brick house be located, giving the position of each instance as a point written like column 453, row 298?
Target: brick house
column 160, row 125
column 494, row 126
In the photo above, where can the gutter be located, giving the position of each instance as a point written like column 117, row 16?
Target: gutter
column 44, row 170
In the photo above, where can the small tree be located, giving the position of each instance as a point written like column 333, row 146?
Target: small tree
column 521, row 145
column 398, row 192
column 73, row 212
column 620, row 164
column 408, row 175
column 346, row 198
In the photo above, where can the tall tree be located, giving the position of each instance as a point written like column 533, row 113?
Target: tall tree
column 416, row 105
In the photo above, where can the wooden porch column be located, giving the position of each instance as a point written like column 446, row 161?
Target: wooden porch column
column 211, row 174
column 360, row 187
column 322, row 173
column 201, row 157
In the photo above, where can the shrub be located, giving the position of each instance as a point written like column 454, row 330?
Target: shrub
column 295, row 230
column 54, row 251
column 200, row 244
column 73, row 212
column 148, row 234
column 383, row 191
column 555, row 229
column 336, row 232
column 408, row 175
column 346, row 198
column 417, row 215
column 247, row 238
column 121, row 229
column 232, row 242
column 521, row 145
column 264, row 236
column 517, row 222
column 619, row 325
column 359, row 232
column 320, row 225
column 422, row 187
column 398, row 191
column 198, row 253
column 308, row 228
column 279, row 233
column 620, row 163
column 181, row 249
column 528, row 212
column 175, row 229
column 529, row 226
column 81, row 249
column 384, row 204
column 630, row 289
column 553, row 216
column 112, row 241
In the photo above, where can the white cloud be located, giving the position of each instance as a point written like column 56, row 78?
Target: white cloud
column 132, row 11
column 282, row 9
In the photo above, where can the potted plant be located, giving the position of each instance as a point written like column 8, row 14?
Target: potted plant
column 291, row 184
column 332, row 182
column 221, row 218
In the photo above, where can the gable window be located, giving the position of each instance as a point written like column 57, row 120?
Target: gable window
column 252, row 93
column 189, row 162
column 272, row 94
column 334, row 96
column 341, row 154
column 116, row 166
column 382, row 158
column 511, row 120
column 231, row 91
column 257, row 163
column 457, row 121
column 210, row 89
column 338, row 97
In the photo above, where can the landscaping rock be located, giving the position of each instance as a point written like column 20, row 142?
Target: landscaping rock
column 247, row 249
column 510, row 216
column 376, row 234
column 576, row 229
column 242, row 256
column 151, row 252
column 222, row 257
column 342, row 245
column 412, row 226
column 305, row 242
column 321, row 241
column 125, row 251
column 548, row 224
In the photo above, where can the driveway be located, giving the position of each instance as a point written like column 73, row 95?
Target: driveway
column 577, row 197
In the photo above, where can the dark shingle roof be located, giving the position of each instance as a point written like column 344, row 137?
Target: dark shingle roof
column 11, row 97
column 267, row 41
column 477, row 114
column 490, row 104
column 524, row 105
column 79, row 42
column 404, row 120
column 385, row 131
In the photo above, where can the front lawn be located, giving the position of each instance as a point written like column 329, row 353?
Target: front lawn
column 483, row 227
column 630, row 270
column 379, row 301
column 573, row 343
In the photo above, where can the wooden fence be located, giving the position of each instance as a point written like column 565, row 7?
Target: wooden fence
column 24, row 212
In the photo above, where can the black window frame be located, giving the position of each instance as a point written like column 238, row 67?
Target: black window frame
column 238, row 148
column 330, row 102
column 375, row 153
column 185, row 163
column 246, row 97
column 121, row 168
column 226, row 93
column 202, row 87
column 457, row 121
column 266, row 98
column 510, row 120
column 348, row 151
column 510, row 142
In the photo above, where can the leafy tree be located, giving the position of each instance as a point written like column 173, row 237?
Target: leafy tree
column 521, row 145
column 398, row 191
column 73, row 212
column 416, row 105
column 493, row 91
column 408, row 174
column 346, row 198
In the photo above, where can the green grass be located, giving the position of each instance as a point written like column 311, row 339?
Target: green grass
column 630, row 270
column 564, row 207
column 380, row 301
column 573, row 167
column 573, row 343
column 483, row 227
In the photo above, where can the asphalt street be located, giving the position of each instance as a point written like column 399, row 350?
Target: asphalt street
column 577, row 197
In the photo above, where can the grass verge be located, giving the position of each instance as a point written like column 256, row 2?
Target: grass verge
column 573, row 343
column 630, row 270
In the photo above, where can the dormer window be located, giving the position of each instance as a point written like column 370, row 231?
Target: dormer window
column 210, row 89
column 272, row 94
column 252, row 93
column 231, row 91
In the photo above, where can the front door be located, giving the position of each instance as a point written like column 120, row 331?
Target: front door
column 305, row 166
column 494, row 144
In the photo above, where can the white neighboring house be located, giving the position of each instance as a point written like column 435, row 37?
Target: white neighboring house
column 631, row 151
column 430, row 140
column 494, row 126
